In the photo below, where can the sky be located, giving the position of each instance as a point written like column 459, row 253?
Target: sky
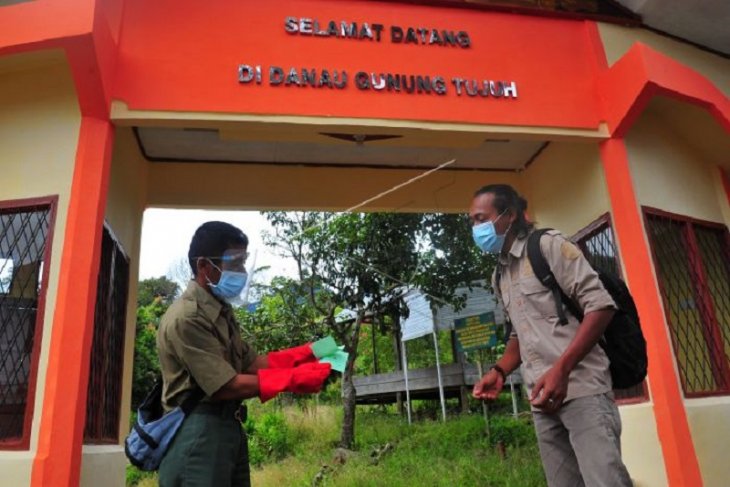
column 166, row 235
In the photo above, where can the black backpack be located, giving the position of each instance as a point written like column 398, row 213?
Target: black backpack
column 623, row 340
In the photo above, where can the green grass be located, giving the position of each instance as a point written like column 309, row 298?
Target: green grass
column 427, row 453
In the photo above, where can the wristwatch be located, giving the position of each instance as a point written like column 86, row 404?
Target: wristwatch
column 500, row 370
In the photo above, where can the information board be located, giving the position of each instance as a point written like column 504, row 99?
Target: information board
column 475, row 332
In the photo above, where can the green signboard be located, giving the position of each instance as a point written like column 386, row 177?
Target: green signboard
column 475, row 332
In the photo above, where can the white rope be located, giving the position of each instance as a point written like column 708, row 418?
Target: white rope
column 392, row 189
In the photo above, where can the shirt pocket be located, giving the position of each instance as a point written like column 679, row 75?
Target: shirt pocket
column 538, row 301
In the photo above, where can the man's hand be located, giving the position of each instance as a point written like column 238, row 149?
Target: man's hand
column 550, row 391
column 489, row 387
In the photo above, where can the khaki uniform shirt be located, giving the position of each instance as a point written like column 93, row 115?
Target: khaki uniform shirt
column 533, row 313
column 199, row 343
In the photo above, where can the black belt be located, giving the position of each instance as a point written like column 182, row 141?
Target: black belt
column 225, row 410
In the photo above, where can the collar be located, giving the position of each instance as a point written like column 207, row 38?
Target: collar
column 516, row 251
column 208, row 303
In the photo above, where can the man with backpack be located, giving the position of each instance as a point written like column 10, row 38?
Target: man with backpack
column 566, row 371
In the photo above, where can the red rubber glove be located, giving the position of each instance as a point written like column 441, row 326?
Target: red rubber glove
column 291, row 357
column 305, row 379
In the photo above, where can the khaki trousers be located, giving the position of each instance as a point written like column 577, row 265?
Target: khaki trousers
column 580, row 444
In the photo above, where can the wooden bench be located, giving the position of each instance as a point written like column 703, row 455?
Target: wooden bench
column 422, row 383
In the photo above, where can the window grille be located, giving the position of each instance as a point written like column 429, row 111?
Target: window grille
column 598, row 245
column 692, row 261
column 25, row 229
column 103, row 403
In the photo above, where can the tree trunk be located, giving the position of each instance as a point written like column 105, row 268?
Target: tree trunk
column 347, row 439
column 349, row 399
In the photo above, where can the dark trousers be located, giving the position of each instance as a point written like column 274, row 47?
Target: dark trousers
column 209, row 450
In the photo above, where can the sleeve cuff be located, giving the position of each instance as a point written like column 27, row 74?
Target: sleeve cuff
column 211, row 385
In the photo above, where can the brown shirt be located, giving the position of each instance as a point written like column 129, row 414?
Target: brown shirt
column 533, row 313
column 199, row 343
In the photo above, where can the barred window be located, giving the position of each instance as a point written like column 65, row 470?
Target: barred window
column 25, row 228
column 103, row 403
column 692, row 260
column 598, row 245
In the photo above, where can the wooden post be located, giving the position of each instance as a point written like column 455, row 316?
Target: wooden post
column 485, row 408
column 398, row 361
column 375, row 348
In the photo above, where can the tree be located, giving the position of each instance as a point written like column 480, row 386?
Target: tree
column 180, row 272
column 451, row 259
column 365, row 261
column 337, row 261
column 281, row 318
column 155, row 296
column 156, row 287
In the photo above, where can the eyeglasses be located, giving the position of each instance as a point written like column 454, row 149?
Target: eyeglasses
column 234, row 260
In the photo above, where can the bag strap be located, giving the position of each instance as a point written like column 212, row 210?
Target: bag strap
column 543, row 273
column 192, row 400
column 498, row 280
column 498, row 290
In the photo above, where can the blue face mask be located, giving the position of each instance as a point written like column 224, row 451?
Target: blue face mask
column 230, row 285
column 486, row 237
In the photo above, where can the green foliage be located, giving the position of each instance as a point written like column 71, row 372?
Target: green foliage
column 151, row 306
column 156, row 288
column 376, row 343
column 362, row 262
column 429, row 453
column 284, row 317
column 511, row 431
column 268, row 438
column 451, row 259
column 332, row 391
column 289, row 446
column 135, row 476
column 353, row 261
column 420, row 351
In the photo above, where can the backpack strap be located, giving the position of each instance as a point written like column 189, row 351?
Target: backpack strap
column 498, row 291
column 192, row 400
column 543, row 273
column 153, row 401
column 498, row 279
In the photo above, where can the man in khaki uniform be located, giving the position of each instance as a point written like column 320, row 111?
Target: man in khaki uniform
column 566, row 372
column 201, row 353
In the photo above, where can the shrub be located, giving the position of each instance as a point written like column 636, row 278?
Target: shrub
column 268, row 438
column 135, row 476
column 511, row 431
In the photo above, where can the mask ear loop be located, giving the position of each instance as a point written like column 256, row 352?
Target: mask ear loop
column 506, row 232
column 210, row 283
column 500, row 216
